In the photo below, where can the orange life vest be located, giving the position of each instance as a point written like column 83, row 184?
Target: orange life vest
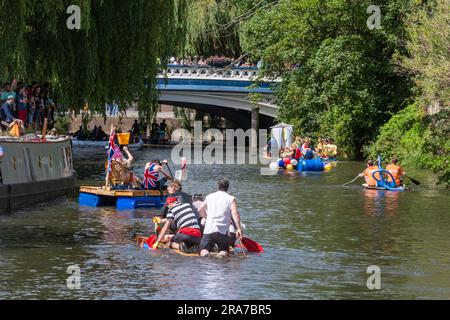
column 397, row 173
column 371, row 182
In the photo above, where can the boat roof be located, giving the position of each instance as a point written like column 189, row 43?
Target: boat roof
column 34, row 138
column 282, row 125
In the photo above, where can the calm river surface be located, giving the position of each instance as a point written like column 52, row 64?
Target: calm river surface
column 319, row 239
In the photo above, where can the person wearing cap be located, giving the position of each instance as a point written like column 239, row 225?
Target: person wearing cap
column 8, row 91
column 188, row 235
column 176, row 189
column 368, row 174
column 6, row 116
column 221, row 211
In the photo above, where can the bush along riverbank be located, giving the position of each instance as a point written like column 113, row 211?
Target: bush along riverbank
column 418, row 140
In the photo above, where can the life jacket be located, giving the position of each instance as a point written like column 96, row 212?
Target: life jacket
column 368, row 176
column 298, row 153
column 151, row 177
column 396, row 172
column 308, row 154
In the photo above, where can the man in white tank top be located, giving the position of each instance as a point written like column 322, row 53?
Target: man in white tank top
column 221, row 211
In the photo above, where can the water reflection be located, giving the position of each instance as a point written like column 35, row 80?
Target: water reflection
column 380, row 202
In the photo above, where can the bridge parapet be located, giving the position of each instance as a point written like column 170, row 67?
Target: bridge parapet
column 206, row 72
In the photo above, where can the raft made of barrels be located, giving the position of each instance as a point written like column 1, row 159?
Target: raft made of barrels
column 310, row 165
column 121, row 199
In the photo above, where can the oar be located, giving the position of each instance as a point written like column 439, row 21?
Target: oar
column 350, row 181
column 251, row 245
column 170, row 171
column 243, row 247
column 417, row 183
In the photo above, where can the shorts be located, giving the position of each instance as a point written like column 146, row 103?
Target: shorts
column 189, row 240
column 231, row 239
column 209, row 240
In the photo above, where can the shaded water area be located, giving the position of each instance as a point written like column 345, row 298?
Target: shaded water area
column 319, row 239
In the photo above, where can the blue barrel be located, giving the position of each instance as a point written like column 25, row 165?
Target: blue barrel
column 310, row 165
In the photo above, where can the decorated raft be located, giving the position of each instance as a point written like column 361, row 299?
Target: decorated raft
column 301, row 165
column 122, row 199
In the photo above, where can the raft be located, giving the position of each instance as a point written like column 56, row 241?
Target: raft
column 163, row 247
column 402, row 188
column 121, row 199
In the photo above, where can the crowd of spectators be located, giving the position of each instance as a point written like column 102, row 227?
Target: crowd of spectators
column 213, row 61
column 27, row 102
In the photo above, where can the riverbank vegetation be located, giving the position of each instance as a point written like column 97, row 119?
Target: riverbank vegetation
column 115, row 55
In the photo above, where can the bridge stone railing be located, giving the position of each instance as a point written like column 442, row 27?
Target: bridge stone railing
column 206, row 72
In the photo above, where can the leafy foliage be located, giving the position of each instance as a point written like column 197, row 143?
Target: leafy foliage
column 339, row 78
column 115, row 54
column 420, row 138
column 417, row 139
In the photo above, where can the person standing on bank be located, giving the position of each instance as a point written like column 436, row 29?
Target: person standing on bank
column 221, row 210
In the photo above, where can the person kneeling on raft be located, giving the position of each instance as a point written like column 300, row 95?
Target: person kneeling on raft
column 188, row 236
column 220, row 209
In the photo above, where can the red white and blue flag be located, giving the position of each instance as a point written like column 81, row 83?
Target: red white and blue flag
column 111, row 149
column 150, row 177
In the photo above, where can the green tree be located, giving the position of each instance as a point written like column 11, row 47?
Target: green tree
column 339, row 77
column 114, row 56
column 420, row 138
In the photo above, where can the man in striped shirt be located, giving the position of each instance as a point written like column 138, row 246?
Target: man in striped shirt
column 186, row 222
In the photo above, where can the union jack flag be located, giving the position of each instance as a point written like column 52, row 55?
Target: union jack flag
column 150, row 178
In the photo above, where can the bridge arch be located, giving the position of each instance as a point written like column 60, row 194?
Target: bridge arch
column 221, row 92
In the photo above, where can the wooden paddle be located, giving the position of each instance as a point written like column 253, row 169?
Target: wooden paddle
column 417, row 183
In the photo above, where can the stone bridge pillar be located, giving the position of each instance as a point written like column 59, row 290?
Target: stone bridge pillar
column 255, row 128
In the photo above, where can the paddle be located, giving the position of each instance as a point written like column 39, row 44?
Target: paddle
column 417, row 183
column 152, row 239
column 251, row 245
column 350, row 181
column 167, row 165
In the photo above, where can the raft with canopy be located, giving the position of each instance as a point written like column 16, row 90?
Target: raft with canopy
column 281, row 137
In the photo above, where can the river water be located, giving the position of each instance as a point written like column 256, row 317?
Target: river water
column 319, row 239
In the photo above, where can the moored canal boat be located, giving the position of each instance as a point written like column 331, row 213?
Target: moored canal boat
column 34, row 170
